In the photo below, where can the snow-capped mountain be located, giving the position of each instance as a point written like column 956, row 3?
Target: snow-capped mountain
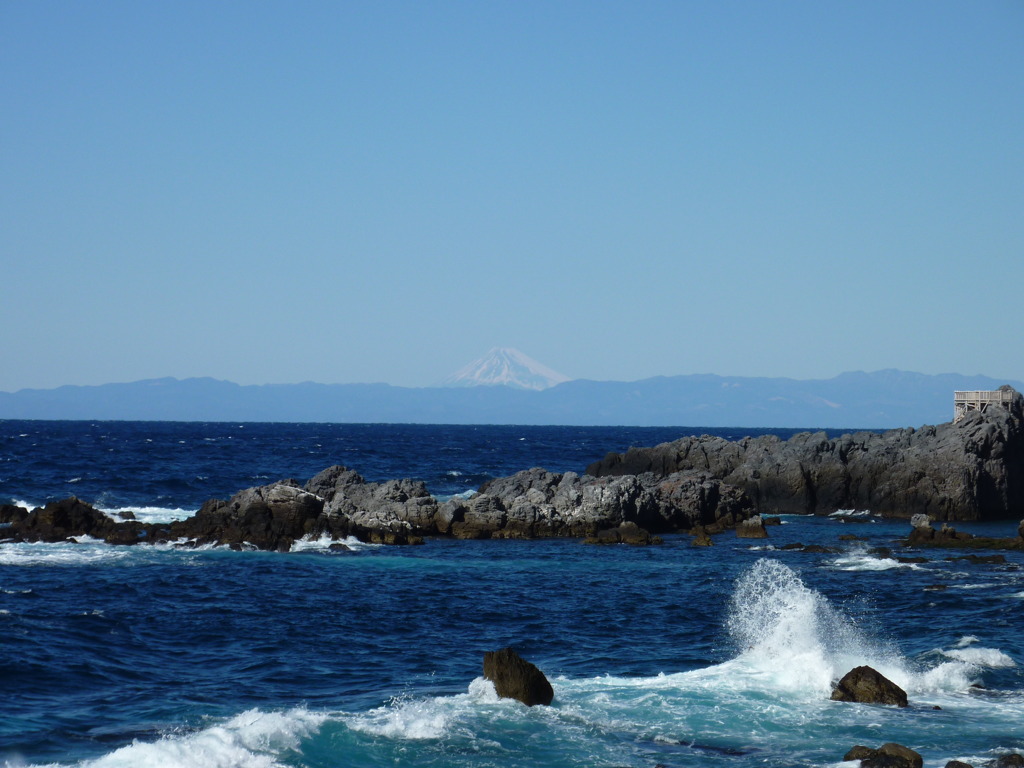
column 505, row 367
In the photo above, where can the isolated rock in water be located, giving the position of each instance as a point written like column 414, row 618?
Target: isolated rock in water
column 751, row 528
column 889, row 755
column 868, row 686
column 958, row 764
column 1009, row 760
column 516, row 678
column 701, row 538
column 922, row 522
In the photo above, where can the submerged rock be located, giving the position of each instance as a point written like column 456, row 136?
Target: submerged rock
column 866, row 685
column 516, row 678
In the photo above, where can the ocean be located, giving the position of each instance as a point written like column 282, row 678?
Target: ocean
column 668, row 655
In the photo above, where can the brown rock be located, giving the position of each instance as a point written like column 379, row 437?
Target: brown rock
column 751, row 528
column 865, row 685
column 516, row 678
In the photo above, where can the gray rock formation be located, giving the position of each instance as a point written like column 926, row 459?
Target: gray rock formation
column 751, row 528
column 868, row 686
column 536, row 503
column 516, row 678
column 970, row 470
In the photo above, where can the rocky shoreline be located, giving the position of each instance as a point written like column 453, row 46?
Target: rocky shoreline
column 969, row 470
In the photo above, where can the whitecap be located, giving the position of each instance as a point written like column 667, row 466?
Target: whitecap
column 862, row 561
column 149, row 514
column 419, row 719
column 981, row 657
column 324, row 542
column 851, row 513
column 253, row 739
column 88, row 552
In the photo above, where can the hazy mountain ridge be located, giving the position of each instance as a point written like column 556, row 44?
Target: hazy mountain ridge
column 882, row 399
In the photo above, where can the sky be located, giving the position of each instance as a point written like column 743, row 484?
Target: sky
column 273, row 192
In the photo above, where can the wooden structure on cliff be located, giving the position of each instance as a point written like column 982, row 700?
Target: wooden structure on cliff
column 979, row 400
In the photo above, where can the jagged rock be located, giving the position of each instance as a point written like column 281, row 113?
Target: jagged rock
column 516, row 678
column 9, row 513
column 868, row 686
column 751, row 528
column 1009, row 760
column 269, row 517
column 58, row 521
column 970, row 470
column 921, row 522
column 536, row 503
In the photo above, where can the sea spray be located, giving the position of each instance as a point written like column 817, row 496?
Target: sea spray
column 794, row 636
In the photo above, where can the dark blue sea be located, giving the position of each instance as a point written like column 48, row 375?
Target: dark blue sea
column 670, row 655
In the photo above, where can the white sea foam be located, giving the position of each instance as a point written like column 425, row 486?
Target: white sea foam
column 323, row 543
column 417, row 719
column 861, row 560
column 86, row 552
column 851, row 513
column 150, row 514
column 792, row 638
column 253, row 739
column 966, row 652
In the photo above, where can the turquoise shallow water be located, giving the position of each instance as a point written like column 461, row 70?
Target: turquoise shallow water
column 669, row 655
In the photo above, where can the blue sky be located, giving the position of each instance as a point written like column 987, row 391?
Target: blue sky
column 382, row 191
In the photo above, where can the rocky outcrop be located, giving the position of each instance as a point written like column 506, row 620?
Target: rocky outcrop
column 536, row 503
column 889, row 755
column 751, row 528
column 516, row 678
column 67, row 519
column 269, row 517
column 923, row 535
column 338, row 503
column 866, row 685
column 970, row 470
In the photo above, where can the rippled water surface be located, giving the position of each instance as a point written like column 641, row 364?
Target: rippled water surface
column 670, row 655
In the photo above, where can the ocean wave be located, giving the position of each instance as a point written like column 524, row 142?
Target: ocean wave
column 324, row 542
column 860, row 560
column 966, row 650
column 253, row 739
column 149, row 514
column 82, row 551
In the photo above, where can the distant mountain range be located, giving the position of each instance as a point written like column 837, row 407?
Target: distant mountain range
column 878, row 400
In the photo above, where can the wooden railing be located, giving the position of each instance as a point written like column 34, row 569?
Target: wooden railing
column 983, row 396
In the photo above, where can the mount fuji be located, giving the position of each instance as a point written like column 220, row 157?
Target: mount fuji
column 505, row 367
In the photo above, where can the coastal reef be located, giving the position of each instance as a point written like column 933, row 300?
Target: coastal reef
column 338, row 503
column 972, row 469
column 969, row 470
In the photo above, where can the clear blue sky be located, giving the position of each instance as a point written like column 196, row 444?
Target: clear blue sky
column 382, row 191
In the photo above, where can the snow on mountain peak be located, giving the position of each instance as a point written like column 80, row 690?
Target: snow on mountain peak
column 505, row 367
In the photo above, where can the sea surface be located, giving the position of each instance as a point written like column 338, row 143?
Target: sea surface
column 668, row 655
